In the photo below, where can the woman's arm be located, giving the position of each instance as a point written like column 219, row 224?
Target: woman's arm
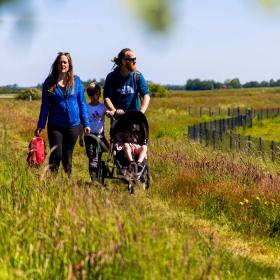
column 82, row 105
column 44, row 111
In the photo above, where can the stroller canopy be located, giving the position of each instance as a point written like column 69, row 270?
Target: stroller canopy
column 132, row 120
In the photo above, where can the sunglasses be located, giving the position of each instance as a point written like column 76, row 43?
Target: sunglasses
column 130, row 59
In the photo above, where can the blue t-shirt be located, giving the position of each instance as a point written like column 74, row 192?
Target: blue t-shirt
column 123, row 91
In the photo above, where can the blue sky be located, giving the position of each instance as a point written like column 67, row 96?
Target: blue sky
column 208, row 40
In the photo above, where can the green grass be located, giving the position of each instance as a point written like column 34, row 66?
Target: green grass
column 194, row 222
column 268, row 129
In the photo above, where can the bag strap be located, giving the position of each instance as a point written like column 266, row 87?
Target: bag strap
column 137, row 80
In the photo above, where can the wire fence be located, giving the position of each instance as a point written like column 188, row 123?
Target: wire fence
column 219, row 134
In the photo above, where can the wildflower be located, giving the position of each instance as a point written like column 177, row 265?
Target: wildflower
column 265, row 203
column 257, row 198
column 241, row 203
column 246, row 200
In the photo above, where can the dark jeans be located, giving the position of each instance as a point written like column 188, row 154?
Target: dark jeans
column 91, row 150
column 62, row 141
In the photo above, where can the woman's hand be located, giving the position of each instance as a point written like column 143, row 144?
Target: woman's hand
column 87, row 130
column 37, row 132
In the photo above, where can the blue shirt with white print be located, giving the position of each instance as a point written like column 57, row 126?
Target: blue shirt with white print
column 123, row 91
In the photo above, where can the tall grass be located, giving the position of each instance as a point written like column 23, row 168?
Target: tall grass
column 207, row 215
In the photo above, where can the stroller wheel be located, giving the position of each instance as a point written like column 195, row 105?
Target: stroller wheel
column 130, row 188
column 145, row 179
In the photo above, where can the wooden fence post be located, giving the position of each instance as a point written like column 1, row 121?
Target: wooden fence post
column 272, row 150
column 200, row 133
column 239, row 141
column 213, row 138
column 230, row 140
column 260, row 144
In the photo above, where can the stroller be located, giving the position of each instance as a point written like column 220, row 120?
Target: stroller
column 117, row 165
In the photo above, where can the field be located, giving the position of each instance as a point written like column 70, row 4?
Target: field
column 207, row 215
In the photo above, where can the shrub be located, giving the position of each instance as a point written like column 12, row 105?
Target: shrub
column 33, row 92
column 158, row 90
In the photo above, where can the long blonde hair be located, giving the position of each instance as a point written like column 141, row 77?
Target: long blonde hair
column 53, row 75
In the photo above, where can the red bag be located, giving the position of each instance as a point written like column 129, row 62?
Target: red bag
column 36, row 151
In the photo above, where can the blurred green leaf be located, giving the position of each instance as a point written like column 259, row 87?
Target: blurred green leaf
column 155, row 13
column 270, row 4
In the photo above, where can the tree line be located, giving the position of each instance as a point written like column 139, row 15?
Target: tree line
column 191, row 84
column 197, row 84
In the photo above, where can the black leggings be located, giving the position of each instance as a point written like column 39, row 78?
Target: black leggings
column 91, row 150
column 62, row 142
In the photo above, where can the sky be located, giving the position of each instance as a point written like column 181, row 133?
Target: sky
column 214, row 39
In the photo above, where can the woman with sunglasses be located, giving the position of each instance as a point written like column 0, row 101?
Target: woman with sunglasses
column 64, row 107
column 124, row 85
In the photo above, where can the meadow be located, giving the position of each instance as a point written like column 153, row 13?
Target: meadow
column 208, row 214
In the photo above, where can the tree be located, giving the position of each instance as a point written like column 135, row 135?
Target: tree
column 252, row 84
column 157, row 90
column 235, row 83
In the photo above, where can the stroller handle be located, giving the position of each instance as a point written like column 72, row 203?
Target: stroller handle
column 98, row 137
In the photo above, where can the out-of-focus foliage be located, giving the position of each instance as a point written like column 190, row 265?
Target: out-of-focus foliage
column 271, row 4
column 155, row 13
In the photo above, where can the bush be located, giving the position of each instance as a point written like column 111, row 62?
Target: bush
column 33, row 92
column 158, row 90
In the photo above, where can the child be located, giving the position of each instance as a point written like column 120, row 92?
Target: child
column 128, row 141
column 96, row 112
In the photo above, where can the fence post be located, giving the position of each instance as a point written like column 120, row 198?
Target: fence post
column 221, row 134
column 251, row 122
column 189, row 131
column 230, row 140
column 272, row 150
column 200, row 111
column 214, row 140
column 260, row 144
column 206, row 137
column 239, row 141
column 200, row 133
column 249, row 142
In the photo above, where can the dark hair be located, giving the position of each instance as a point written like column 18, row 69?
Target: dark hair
column 93, row 88
column 53, row 76
column 118, row 60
